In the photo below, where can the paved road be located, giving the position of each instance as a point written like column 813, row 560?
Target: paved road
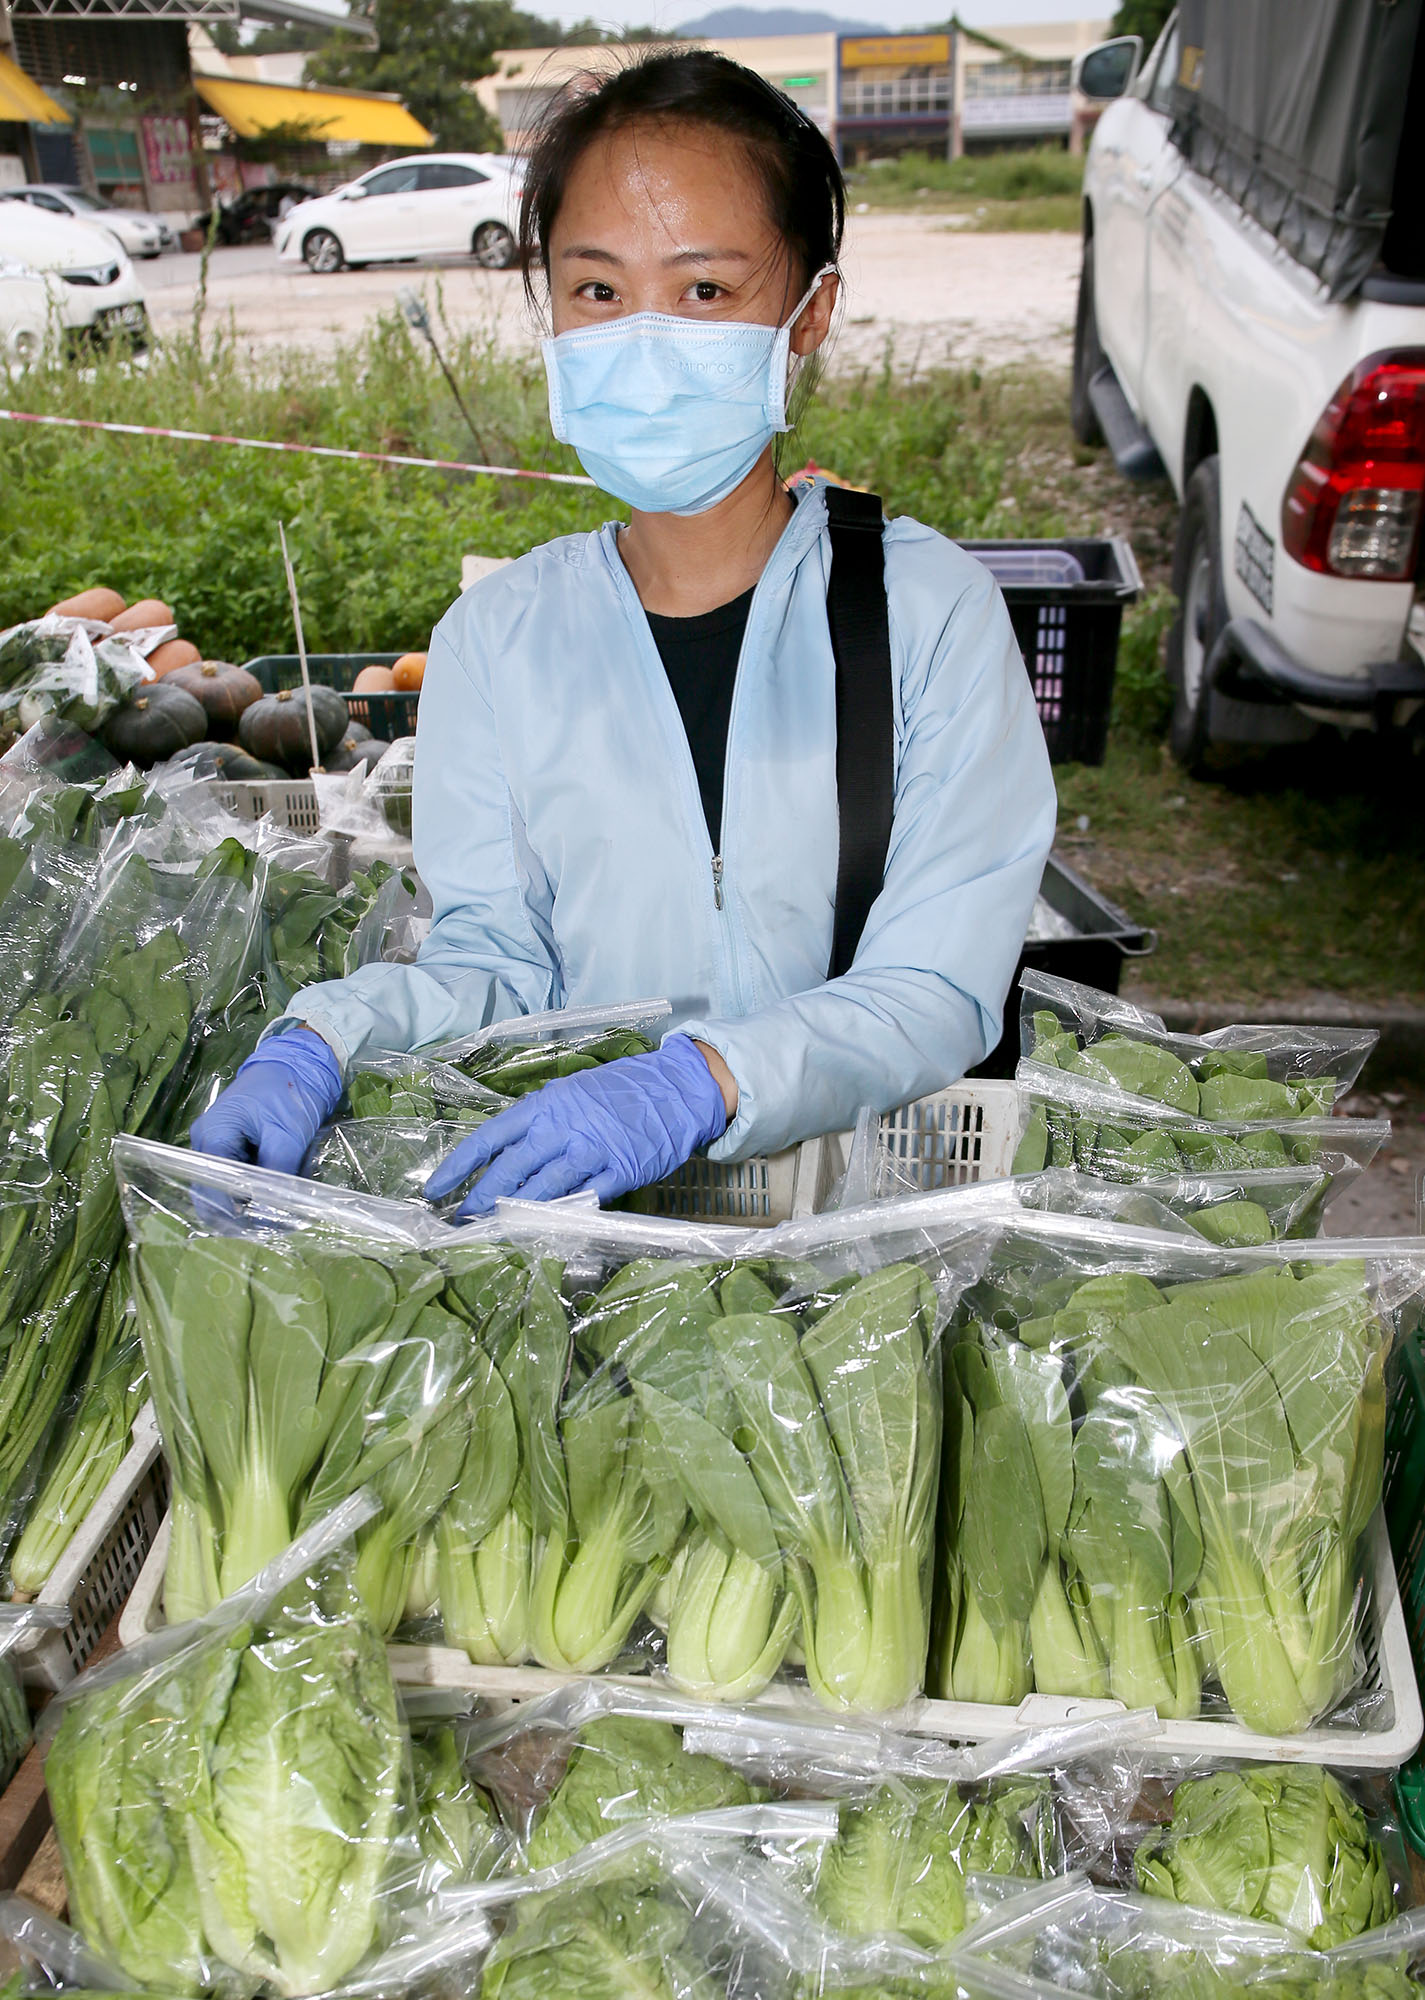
column 935, row 293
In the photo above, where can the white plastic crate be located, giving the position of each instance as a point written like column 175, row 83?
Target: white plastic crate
column 1390, row 1736
column 288, row 802
column 953, row 1138
column 754, row 1194
column 102, row 1564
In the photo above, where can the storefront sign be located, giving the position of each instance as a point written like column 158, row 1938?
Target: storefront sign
column 167, row 149
column 887, row 51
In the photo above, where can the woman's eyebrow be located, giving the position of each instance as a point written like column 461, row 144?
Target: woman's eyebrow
column 709, row 257
column 590, row 252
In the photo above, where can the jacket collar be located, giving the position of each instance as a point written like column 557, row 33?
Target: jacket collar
column 801, row 533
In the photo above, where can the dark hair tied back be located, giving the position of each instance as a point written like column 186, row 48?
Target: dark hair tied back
column 801, row 180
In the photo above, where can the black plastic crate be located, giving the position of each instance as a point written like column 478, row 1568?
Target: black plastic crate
column 1405, row 1518
column 385, row 715
column 1103, row 937
column 1068, row 634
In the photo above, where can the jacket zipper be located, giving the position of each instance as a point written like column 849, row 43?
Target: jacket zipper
column 717, row 881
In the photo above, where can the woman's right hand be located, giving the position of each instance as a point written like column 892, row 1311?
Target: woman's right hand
column 276, row 1104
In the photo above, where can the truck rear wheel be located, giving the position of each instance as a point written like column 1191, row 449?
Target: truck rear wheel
column 1088, row 356
column 1202, row 613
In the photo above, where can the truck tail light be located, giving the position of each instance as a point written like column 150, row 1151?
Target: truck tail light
column 1353, row 504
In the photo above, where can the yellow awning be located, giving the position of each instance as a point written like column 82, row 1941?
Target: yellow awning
column 254, row 108
column 23, row 102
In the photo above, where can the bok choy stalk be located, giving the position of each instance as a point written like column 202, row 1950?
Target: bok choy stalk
column 730, row 1610
column 843, row 1437
column 605, row 1530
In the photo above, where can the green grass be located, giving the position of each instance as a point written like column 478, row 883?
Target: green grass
column 986, row 191
column 1305, row 873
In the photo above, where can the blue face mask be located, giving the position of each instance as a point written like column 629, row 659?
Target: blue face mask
column 666, row 413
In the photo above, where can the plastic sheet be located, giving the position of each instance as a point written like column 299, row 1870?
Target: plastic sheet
column 19, row 1622
column 1113, row 1945
column 1161, row 1459
column 233, row 1800
column 390, row 1157
column 1239, row 1073
column 1073, row 1121
column 1263, row 1205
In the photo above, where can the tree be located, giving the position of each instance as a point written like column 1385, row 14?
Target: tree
column 1147, row 18
column 427, row 52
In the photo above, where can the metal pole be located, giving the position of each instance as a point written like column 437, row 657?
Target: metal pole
column 957, row 92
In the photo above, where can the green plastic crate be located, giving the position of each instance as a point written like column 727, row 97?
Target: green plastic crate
column 385, row 715
column 1405, row 1518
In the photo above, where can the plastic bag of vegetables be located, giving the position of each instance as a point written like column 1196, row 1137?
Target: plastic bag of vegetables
column 1162, row 1459
column 748, row 1447
column 234, row 1800
column 1239, row 1073
column 18, row 1624
column 501, row 1062
column 1259, row 1205
column 302, row 1343
column 1113, row 1945
column 1075, row 1121
column 390, row 1157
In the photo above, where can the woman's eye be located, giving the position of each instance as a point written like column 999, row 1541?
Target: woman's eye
column 600, row 293
column 705, row 291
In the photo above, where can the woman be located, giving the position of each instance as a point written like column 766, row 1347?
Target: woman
column 626, row 767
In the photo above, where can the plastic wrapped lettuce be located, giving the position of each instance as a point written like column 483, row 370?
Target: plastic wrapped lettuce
column 302, row 1343
column 233, row 1802
column 1069, row 1120
column 1284, row 1843
column 389, row 1157
column 1241, row 1073
column 1113, row 1945
column 1161, row 1462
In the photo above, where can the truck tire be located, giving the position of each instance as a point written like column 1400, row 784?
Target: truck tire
column 1088, row 356
column 1202, row 613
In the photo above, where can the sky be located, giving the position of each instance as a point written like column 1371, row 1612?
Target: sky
column 884, row 13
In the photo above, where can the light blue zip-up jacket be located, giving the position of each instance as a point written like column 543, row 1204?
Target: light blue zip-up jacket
column 559, row 829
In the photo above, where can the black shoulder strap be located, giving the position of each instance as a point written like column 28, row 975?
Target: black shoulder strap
column 859, row 617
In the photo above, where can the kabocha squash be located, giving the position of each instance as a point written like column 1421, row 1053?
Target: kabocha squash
column 374, row 680
column 275, row 728
column 143, row 616
column 97, row 603
column 157, row 723
column 229, row 760
column 226, row 692
column 357, row 732
column 173, row 654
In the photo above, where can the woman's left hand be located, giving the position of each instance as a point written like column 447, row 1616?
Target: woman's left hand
column 607, row 1131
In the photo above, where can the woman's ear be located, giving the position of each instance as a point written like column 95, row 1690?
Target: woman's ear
column 814, row 323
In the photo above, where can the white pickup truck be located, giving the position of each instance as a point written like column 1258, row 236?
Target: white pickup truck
column 1251, row 321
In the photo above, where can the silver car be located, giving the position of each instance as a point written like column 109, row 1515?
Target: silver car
column 141, row 234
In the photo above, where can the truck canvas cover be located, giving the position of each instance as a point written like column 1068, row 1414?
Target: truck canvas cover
column 1296, row 109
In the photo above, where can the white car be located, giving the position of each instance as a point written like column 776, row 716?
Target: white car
column 99, row 297
column 136, row 231
column 31, row 302
column 1273, row 367
column 442, row 204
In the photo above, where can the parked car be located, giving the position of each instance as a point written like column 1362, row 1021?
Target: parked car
column 135, row 230
column 100, row 298
column 1251, row 321
column 254, row 216
column 445, row 204
column 31, row 303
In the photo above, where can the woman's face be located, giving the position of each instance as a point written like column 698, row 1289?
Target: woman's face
column 671, row 218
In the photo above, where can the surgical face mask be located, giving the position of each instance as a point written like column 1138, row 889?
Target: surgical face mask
column 671, row 414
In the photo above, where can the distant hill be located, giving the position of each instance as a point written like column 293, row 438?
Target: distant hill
column 731, row 21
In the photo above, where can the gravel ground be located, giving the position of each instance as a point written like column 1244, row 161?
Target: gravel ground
column 934, row 293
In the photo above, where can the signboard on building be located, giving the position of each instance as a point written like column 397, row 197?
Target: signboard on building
column 890, row 51
column 167, row 152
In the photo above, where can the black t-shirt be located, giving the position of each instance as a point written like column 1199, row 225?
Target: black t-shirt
column 699, row 656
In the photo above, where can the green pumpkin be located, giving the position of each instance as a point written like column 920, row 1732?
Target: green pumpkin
column 159, row 722
column 275, row 728
column 226, row 692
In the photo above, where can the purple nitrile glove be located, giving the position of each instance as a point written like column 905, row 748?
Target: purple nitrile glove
column 276, row 1104
column 608, row 1130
